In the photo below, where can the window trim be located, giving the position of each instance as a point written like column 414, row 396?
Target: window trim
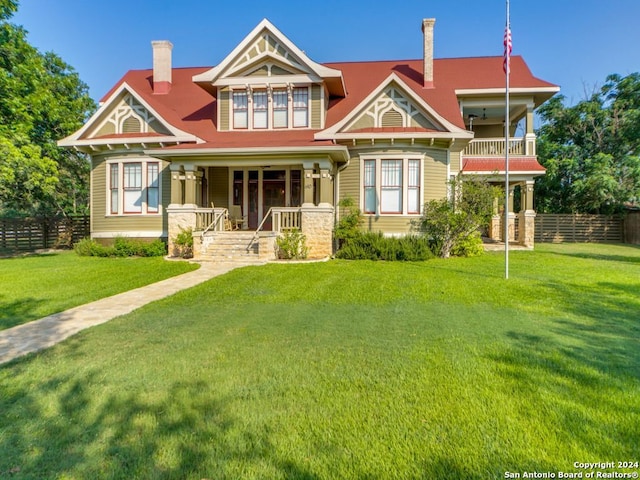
column 249, row 113
column 405, row 158
column 119, row 189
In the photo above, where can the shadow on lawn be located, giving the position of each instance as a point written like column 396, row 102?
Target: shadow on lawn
column 17, row 312
column 65, row 427
column 605, row 256
column 587, row 371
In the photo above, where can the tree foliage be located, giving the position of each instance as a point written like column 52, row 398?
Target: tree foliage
column 452, row 222
column 591, row 150
column 42, row 100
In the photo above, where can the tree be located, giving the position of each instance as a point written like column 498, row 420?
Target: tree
column 450, row 223
column 42, row 99
column 591, row 150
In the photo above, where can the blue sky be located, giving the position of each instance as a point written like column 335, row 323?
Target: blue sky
column 573, row 43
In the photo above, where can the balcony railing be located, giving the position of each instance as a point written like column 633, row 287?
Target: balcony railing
column 487, row 147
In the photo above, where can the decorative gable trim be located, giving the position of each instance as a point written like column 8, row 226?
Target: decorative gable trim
column 393, row 95
column 111, row 112
column 264, row 42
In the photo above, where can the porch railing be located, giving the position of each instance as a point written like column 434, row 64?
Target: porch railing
column 481, row 147
column 211, row 219
column 282, row 218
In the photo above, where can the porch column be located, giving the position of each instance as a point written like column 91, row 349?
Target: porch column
column 527, row 216
column 326, row 189
column 494, row 226
column 190, row 186
column 512, row 215
column 308, row 186
column 177, row 193
column 530, row 137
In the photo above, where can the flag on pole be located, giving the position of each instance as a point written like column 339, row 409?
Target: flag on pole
column 507, row 49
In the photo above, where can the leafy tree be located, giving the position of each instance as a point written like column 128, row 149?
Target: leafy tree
column 42, row 99
column 591, row 150
column 454, row 222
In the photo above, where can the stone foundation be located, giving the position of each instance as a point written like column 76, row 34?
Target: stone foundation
column 527, row 227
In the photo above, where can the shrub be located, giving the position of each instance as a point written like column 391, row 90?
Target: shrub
column 292, row 244
column 470, row 246
column 184, row 242
column 375, row 246
column 348, row 227
column 122, row 247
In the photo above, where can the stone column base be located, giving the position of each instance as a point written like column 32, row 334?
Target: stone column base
column 317, row 226
column 179, row 217
column 527, row 227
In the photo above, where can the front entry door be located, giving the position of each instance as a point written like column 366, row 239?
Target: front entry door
column 274, row 184
column 253, row 200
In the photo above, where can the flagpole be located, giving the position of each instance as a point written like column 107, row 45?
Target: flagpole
column 507, row 60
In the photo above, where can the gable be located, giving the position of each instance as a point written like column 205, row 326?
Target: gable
column 391, row 108
column 269, row 68
column 266, row 46
column 127, row 116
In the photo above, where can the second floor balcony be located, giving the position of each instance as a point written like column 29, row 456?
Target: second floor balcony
column 490, row 147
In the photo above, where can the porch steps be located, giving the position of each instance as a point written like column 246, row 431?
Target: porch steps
column 230, row 246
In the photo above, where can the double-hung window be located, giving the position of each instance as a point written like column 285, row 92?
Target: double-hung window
column 280, row 108
column 240, row 110
column 134, row 187
column 301, row 107
column 392, row 184
column 260, row 109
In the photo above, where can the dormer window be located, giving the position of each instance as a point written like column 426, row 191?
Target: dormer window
column 260, row 109
column 280, row 108
column 240, row 110
column 263, row 107
column 301, row 107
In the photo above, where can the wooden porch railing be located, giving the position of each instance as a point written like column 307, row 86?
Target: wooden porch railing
column 486, row 147
column 283, row 218
column 211, row 219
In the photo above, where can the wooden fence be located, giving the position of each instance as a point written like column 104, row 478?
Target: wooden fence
column 38, row 233
column 578, row 228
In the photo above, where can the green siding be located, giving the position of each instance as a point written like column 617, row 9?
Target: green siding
column 316, row 106
column 219, row 186
column 435, row 175
column 455, row 162
column 389, row 224
column 224, row 104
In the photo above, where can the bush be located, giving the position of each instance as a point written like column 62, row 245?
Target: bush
column 348, row 227
column 375, row 246
column 184, row 242
column 292, row 245
column 470, row 246
column 122, row 247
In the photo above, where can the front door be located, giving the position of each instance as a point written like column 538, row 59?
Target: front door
column 274, row 184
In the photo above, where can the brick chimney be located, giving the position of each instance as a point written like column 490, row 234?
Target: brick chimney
column 427, row 67
column 161, row 66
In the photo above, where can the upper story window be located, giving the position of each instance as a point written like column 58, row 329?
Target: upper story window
column 300, row 107
column 270, row 108
column 240, row 110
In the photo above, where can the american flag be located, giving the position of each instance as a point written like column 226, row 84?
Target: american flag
column 507, row 50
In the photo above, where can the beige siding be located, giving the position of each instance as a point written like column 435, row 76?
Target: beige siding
column 224, row 104
column 350, row 181
column 316, row 107
column 219, row 186
column 454, row 158
column 365, row 121
column 101, row 222
column 389, row 224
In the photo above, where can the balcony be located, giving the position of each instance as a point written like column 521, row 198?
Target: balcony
column 495, row 147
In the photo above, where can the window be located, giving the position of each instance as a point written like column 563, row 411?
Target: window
column 391, row 186
column 369, row 186
column 280, row 108
column 240, row 110
column 134, row 188
column 260, row 109
column 300, row 107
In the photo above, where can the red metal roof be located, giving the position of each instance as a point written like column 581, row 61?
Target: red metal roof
column 497, row 164
column 190, row 108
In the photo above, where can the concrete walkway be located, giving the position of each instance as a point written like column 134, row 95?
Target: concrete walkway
column 47, row 331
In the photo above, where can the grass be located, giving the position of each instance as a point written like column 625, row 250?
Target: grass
column 35, row 286
column 351, row 370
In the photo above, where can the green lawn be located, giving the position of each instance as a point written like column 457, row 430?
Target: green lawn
column 35, row 286
column 346, row 370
